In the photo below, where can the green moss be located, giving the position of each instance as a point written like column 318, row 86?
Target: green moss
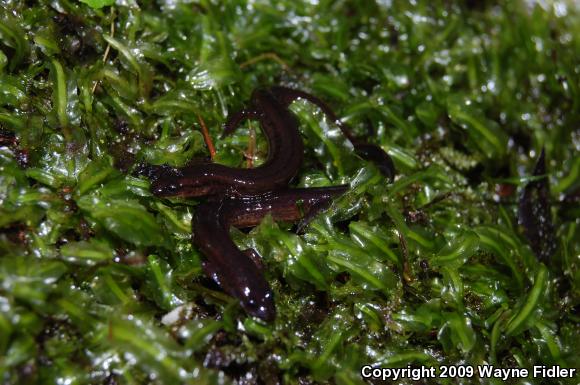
column 99, row 282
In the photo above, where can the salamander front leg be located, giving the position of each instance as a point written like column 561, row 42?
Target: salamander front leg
column 255, row 257
column 311, row 214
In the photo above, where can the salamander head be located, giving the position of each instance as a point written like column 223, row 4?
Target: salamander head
column 259, row 303
column 243, row 281
column 188, row 182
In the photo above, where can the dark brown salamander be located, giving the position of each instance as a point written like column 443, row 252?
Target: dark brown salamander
column 534, row 212
column 285, row 153
column 236, row 271
column 365, row 150
column 242, row 199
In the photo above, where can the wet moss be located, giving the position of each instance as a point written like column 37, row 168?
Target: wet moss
column 99, row 282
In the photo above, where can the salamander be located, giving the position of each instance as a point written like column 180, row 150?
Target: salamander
column 236, row 271
column 365, row 150
column 242, row 197
column 285, row 153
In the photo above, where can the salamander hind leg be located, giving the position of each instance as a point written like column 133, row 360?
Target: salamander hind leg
column 378, row 156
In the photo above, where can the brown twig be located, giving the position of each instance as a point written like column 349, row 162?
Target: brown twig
column 266, row 56
column 206, row 137
column 251, row 147
column 108, row 49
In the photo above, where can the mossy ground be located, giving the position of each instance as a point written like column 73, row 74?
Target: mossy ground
column 432, row 269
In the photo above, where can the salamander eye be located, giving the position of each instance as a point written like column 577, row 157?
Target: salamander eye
column 266, row 313
column 163, row 189
column 262, row 307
